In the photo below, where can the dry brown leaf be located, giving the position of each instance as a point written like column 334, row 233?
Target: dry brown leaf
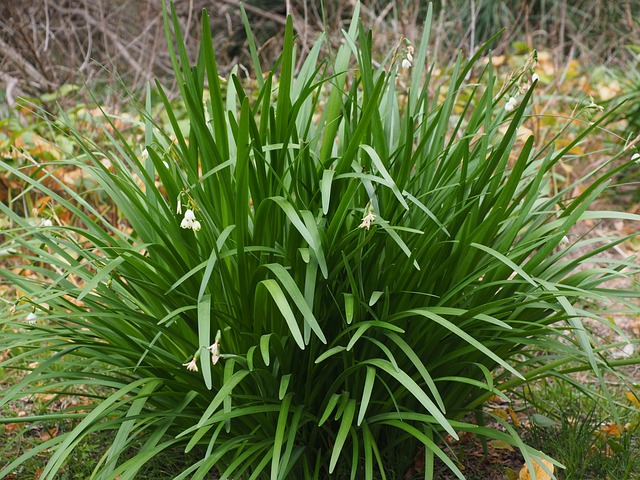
column 514, row 417
column 4, row 354
column 612, row 430
column 606, row 91
column 48, row 434
column 418, row 464
column 546, row 66
column 498, row 60
column 524, row 132
column 46, row 397
column 11, row 427
column 499, row 412
column 540, row 474
column 41, row 204
column 71, row 178
column 37, row 146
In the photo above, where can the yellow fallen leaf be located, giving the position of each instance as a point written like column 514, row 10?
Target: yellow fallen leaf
column 632, row 396
column 575, row 150
column 500, row 445
column 500, row 413
column 510, row 474
column 514, row 417
column 538, row 470
column 572, row 70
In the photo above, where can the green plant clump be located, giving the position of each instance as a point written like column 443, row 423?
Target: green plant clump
column 321, row 278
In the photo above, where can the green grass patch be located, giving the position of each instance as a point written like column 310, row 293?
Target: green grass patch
column 579, row 431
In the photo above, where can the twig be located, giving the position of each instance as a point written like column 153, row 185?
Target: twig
column 21, row 62
column 47, row 23
column 188, row 27
column 107, row 34
column 89, row 41
column 383, row 15
column 12, row 84
column 258, row 11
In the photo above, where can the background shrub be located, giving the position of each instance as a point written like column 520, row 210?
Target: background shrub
column 48, row 44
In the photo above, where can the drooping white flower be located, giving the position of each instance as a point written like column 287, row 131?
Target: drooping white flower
column 406, row 63
column 179, row 206
column 635, row 157
column 214, row 348
column 189, row 220
column 535, row 77
column 189, row 215
column 47, row 222
column 192, row 366
column 410, row 57
column 366, row 220
column 564, row 240
column 511, row 104
column 31, row 318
